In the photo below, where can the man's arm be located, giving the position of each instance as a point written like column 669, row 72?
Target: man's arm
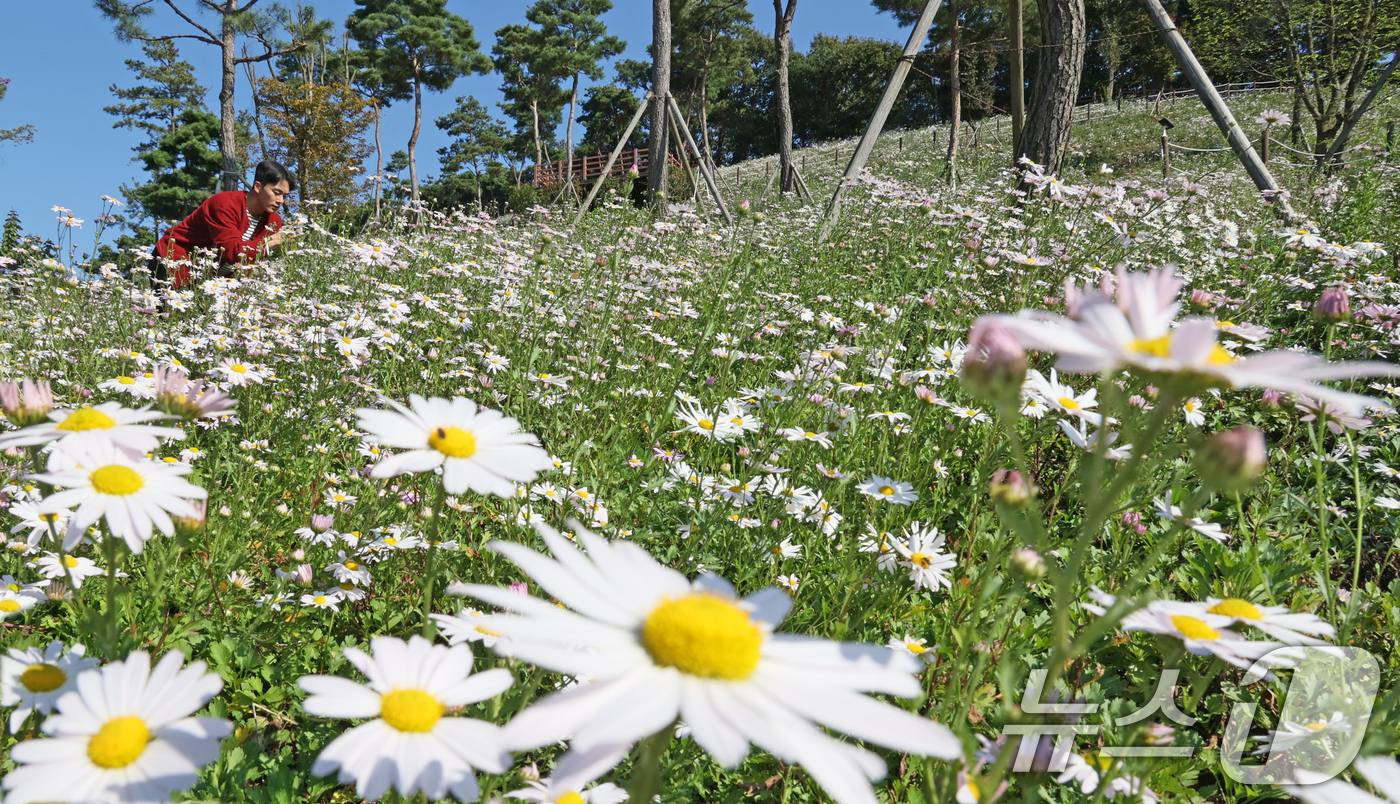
column 228, row 220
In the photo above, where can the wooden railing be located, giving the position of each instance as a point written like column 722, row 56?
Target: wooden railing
column 588, row 168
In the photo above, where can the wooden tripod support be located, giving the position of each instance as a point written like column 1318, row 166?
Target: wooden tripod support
column 612, row 158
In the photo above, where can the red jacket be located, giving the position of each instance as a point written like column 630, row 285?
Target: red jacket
column 219, row 223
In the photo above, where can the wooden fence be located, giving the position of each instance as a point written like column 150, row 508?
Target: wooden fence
column 590, row 167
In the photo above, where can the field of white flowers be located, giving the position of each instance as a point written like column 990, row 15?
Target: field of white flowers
column 922, row 513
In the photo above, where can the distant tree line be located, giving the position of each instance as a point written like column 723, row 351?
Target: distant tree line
column 318, row 90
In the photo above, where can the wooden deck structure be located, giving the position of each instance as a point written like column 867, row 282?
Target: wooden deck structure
column 588, row 168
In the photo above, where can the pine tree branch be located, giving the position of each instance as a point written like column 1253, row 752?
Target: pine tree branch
column 186, row 18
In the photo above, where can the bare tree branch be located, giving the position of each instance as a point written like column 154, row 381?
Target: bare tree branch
column 186, row 18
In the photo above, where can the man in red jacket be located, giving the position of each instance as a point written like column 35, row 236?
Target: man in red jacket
column 235, row 224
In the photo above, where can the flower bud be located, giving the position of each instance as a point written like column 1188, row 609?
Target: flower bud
column 26, row 402
column 1011, row 487
column 530, row 773
column 1028, row 564
column 303, row 574
column 1233, row 459
column 1333, row 306
column 995, row 365
column 188, row 526
column 320, row 523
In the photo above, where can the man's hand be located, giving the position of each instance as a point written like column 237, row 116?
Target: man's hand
column 274, row 240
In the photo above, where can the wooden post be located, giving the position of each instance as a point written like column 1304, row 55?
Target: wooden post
column 772, row 174
column 617, row 150
column 901, row 143
column 802, row 185
column 1264, row 142
column 700, row 157
column 1201, row 82
column 1390, row 140
column 1166, row 155
column 882, row 111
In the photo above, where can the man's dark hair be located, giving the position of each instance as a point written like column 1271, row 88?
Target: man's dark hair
column 270, row 172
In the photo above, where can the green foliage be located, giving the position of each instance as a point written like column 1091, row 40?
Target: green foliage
column 168, row 87
column 533, row 99
column 477, row 137
column 607, row 109
column 20, row 134
column 9, row 239
column 184, row 165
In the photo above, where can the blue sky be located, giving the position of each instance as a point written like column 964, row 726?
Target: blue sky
column 62, row 57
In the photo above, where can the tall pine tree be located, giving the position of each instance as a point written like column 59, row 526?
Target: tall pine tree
column 415, row 45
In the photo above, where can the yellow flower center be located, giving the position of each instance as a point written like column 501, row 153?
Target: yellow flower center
column 1193, row 628
column 915, row 647
column 42, row 678
column 9, row 606
column 238, row 367
column 86, row 419
column 347, row 586
column 410, row 710
column 570, row 797
column 453, row 442
column 706, row 424
column 126, row 380
column 887, row 490
column 120, row 742
column 116, row 480
column 921, row 559
column 973, row 789
column 351, row 565
column 319, row 600
column 1161, row 347
column 1068, row 403
column 1316, row 726
column 703, row 635
column 70, row 561
column 1234, row 607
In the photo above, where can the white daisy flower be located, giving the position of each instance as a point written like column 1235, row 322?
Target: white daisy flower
column 1061, row 397
column 327, row 599
column 236, row 372
column 1289, row 627
column 121, row 425
column 34, row 679
column 1137, row 330
column 912, row 646
column 576, row 769
column 658, row 647
column 892, row 491
column 38, row 524
column 1383, row 772
column 922, row 554
column 125, row 734
column 465, row 628
column 410, row 744
column 347, row 569
column 13, row 604
column 68, row 568
column 135, row 497
column 477, row 448
column 1210, row 530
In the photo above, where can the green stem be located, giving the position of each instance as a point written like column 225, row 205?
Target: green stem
column 1353, row 605
column 430, row 567
column 646, row 773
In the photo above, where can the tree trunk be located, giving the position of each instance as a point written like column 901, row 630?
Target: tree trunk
column 1056, row 83
column 782, row 97
column 660, row 87
column 539, row 152
column 378, row 164
column 413, row 139
column 955, row 87
column 1017, row 24
column 705, row 117
column 569, row 135
column 228, row 144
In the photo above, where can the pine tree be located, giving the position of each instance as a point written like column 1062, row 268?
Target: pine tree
column 477, row 137
column 20, row 134
column 575, row 40
column 168, row 87
column 415, row 45
column 533, row 97
column 184, row 165
column 9, row 240
column 234, row 18
column 319, row 130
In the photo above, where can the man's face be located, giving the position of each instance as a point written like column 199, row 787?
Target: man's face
column 270, row 197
